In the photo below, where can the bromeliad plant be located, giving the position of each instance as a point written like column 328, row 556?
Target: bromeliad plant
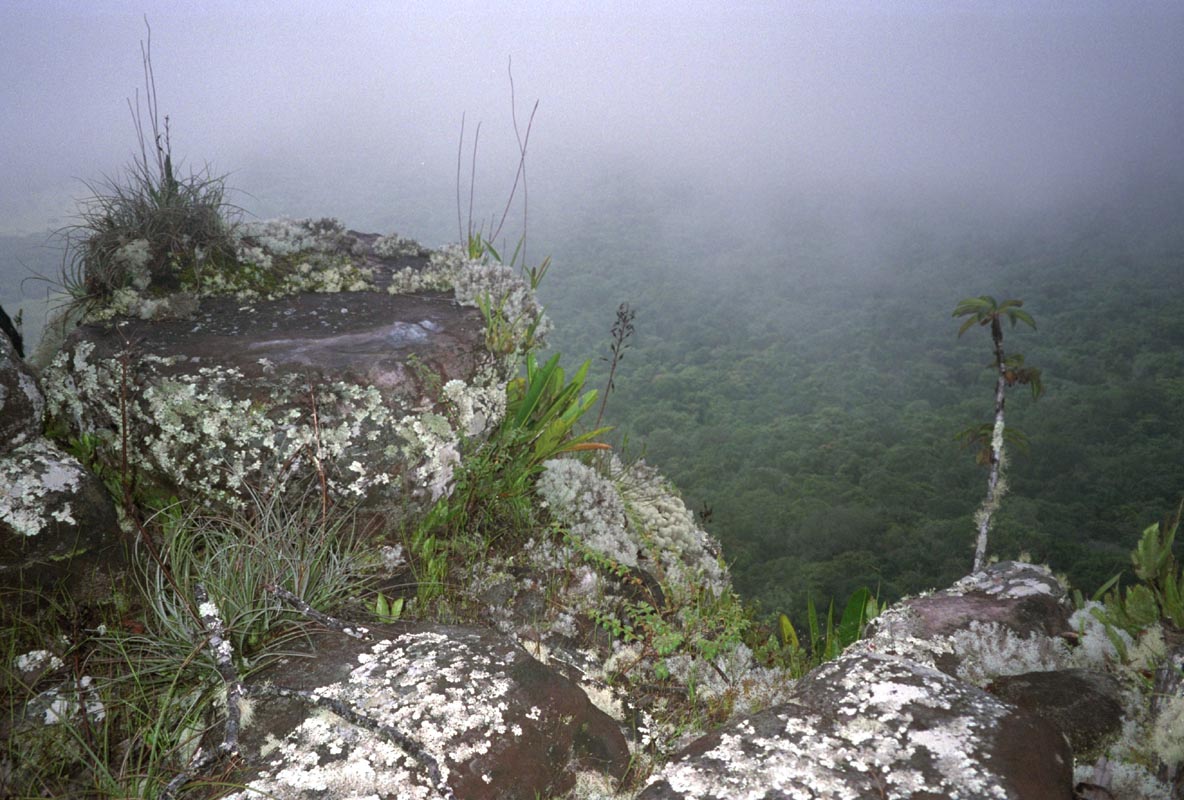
column 1159, row 597
column 492, row 494
column 143, row 230
column 542, row 410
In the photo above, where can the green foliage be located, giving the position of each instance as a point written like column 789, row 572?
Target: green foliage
column 804, row 386
column 502, row 332
column 492, row 497
column 129, row 711
column 285, row 541
column 1162, row 578
column 678, row 621
column 985, row 311
column 1158, row 598
column 826, row 641
column 388, row 610
column 542, row 411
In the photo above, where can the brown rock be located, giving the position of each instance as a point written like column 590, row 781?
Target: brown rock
column 1084, row 705
column 496, row 723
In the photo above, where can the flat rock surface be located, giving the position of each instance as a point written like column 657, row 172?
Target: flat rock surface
column 1084, row 705
column 367, row 336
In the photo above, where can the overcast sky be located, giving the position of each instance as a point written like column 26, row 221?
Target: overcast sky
column 346, row 105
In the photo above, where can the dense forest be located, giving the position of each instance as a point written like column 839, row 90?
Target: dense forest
column 806, row 383
column 799, row 375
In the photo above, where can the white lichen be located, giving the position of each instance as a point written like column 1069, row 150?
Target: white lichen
column 988, row 650
column 36, row 661
column 477, row 282
column 33, row 478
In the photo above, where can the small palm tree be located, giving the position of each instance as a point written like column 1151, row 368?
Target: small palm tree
column 985, row 311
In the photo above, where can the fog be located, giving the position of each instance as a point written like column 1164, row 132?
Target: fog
column 733, row 112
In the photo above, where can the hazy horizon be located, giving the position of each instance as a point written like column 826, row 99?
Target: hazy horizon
column 1024, row 108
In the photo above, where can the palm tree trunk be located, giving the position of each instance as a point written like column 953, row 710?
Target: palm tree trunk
column 995, row 490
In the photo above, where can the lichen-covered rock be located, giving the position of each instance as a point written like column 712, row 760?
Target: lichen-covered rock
column 364, row 360
column 1167, row 731
column 493, row 721
column 22, row 406
column 53, row 512
column 867, row 726
column 1008, row 619
column 1084, row 705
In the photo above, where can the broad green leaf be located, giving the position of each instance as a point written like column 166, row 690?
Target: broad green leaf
column 1107, row 586
column 853, row 617
column 1173, row 598
column 812, row 622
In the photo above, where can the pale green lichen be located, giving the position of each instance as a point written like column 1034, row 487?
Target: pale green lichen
column 689, row 555
column 636, row 511
column 395, row 246
column 988, row 650
column 30, row 477
column 1167, row 734
column 448, row 693
column 590, row 507
column 480, row 282
column 1096, row 639
column 870, row 740
column 214, row 430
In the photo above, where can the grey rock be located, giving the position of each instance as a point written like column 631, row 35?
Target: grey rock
column 867, row 726
column 56, row 518
column 254, row 393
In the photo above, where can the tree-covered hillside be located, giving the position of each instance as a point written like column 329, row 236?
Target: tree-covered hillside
column 801, row 375
column 807, row 383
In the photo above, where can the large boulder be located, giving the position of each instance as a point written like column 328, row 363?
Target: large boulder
column 55, row 516
column 1086, row 705
column 1007, row 619
column 876, row 726
column 250, row 375
column 417, row 705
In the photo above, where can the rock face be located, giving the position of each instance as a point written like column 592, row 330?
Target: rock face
column 467, row 706
column 1084, row 704
column 970, row 692
column 52, row 510
column 324, row 353
column 614, row 637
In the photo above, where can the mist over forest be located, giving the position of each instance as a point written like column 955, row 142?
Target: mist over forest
column 793, row 199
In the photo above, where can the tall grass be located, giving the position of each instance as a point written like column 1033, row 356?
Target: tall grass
column 137, row 692
column 149, row 225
